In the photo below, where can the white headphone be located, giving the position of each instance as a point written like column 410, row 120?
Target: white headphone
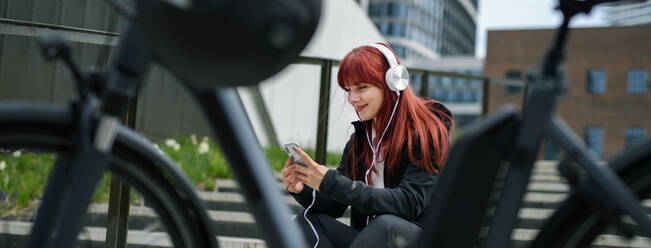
column 397, row 76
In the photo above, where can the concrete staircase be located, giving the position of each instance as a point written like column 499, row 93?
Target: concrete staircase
column 235, row 226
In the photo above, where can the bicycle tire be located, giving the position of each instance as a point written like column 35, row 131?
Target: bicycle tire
column 577, row 223
column 47, row 128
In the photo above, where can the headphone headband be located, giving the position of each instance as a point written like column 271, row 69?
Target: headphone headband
column 387, row 54
column 397, row 77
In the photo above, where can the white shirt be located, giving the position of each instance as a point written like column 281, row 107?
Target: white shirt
column 378, row 176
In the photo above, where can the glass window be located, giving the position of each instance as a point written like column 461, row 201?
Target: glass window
column 383, row 27
column 460, row 82
column 434, row 81
column 594, row 140
column 513, row 75
column 398, row 10
column 634, row 135
column 637, row 81
column 446, row 82
column 476, row 96
column 378, row 9
column 467, row 96
column 438, row 95
column 551, row 151
column 400, row 51
column 596, row 81
column 453, row 96
column 415, row 81
column 397, row 29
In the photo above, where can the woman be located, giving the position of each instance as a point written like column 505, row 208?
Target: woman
column 389, row 166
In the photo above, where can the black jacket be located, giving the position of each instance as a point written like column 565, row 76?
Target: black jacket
column 408, row 196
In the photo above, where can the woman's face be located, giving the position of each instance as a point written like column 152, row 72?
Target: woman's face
column 366, row 99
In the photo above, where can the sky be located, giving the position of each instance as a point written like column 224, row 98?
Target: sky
column 525, row 14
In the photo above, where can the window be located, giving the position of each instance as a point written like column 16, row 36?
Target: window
column 637, row 81
column 467, row 96
column 446, row 82
column 378, row 9
column 551, row 151
column 594, row 140
column 513, row 75
column 397, row 29
column 596, row 81
column 634, row 135
column 453, row 96
column 458, row 81
column 400, row 51
column 434, row 81
column 398, row 10
column 415, row 81
column 383, row 27
column 438, row 95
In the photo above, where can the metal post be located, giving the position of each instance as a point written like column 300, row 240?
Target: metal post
column 263, row 114
column 485, row 96
column 524, row 98
column 324, row 103
column 424, row 84
column 118, row 212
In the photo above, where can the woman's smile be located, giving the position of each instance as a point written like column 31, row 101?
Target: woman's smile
column 366, row 99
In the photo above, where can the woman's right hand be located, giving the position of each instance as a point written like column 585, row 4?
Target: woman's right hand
column 288, row 173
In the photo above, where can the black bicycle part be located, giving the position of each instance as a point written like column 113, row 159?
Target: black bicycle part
column 612, row 191
column 577, row 222
column 248, row 164
column 212, row 44
column 54, row 47
column 71, row 190
column 544, row 86
column 49, row 128
column 467, row 182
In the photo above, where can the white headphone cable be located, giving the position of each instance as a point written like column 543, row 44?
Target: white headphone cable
column 375, row 150
column 308, row 221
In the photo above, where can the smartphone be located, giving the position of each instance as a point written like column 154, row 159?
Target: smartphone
column 289, row 148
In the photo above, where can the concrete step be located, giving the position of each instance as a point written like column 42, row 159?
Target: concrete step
column 521, row 237
column 225, row 223
column 13, row 234
column 234, row 201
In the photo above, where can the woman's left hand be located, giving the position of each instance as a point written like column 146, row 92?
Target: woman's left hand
column 313, row 174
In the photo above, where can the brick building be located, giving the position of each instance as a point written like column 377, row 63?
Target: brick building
column 608, row 98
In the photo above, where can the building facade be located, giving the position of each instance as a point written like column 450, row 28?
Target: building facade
column 462, row 96
column 608, row 87
column 625, row 14
column 426, row 29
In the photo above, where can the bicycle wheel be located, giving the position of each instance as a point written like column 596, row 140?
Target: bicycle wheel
column 47, row 128
column 577, row 223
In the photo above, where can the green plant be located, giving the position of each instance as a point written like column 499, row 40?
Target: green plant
column 23, row 174
column 201, row 160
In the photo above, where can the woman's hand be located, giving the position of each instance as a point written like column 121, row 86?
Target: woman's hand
column 289, row 177
column 313, row 174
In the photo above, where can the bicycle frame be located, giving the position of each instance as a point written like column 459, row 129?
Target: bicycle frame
column 250, row 167
column 226, row 115
column 545, row 85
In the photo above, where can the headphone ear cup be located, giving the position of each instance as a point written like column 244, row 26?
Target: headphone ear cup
column 397, row 78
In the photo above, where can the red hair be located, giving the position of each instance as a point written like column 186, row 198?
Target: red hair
column 416, row 120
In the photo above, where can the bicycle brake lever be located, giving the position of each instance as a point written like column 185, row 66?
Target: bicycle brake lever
column 54, row 47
